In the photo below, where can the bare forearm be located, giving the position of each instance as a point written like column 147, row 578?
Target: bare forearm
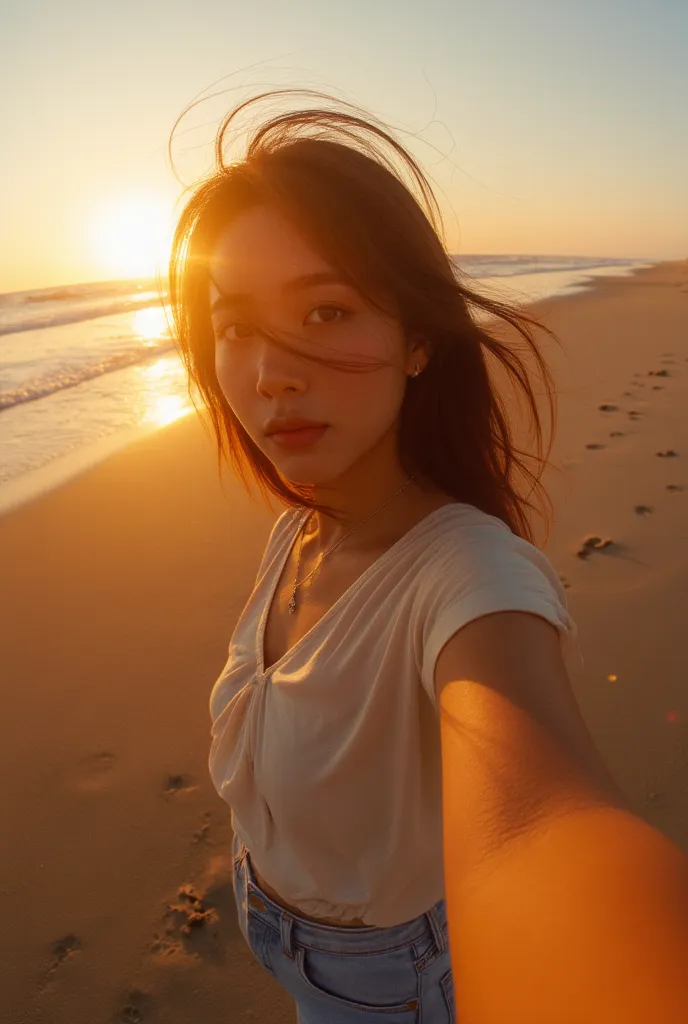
column 585, row 919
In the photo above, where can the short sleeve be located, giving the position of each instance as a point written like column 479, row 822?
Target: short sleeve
column 481, row 570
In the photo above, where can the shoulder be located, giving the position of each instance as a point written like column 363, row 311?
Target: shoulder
column 284, row 524
column 475, row 566
column 465, row 541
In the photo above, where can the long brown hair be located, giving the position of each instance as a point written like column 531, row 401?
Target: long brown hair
column 326, row 170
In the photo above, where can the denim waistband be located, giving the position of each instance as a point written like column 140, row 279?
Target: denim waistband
column 331, row 938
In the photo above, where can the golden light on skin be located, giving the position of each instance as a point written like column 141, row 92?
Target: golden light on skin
column 131, row 237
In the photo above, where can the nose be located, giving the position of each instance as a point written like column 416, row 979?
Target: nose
column 277, row 368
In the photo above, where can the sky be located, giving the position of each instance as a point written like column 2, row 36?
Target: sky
column 546, row 127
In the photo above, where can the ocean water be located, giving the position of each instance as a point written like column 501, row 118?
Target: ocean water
column 87, row 369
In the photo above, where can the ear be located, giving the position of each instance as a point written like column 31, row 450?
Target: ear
column 419, row 351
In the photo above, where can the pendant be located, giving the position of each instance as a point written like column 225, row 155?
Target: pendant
column 292, row 604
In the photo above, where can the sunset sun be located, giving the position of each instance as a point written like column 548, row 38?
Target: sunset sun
column 132, row 237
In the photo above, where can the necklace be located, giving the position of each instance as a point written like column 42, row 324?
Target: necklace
column 292, row 602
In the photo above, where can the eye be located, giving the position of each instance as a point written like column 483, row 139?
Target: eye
column 238, row 326
column 222, row 332
column 332, row 309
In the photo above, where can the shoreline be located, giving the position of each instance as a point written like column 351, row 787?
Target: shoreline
column 36, row 483
column 122, row 588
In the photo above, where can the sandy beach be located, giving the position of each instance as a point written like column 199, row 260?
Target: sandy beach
column 121, row 590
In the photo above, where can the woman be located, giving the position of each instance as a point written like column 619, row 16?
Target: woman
column 412, row 786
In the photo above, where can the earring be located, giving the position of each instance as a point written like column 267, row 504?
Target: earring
column 417, row 370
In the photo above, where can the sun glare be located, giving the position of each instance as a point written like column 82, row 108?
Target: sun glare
column 167, row 409
column 132, row 237
column 150, row 324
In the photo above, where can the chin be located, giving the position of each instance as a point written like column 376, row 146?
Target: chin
column 307, row 479
column 310, row 476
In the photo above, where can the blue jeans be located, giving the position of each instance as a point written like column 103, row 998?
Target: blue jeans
column 359, row 975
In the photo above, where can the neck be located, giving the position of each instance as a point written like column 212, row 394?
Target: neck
column 376, row 518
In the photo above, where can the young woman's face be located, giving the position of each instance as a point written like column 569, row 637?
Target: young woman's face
column 260, row 257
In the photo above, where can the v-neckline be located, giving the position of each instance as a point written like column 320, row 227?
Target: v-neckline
column 385, row 556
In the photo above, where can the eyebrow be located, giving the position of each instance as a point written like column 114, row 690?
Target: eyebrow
column 229, row 300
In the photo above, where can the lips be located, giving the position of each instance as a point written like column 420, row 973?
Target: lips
column 297, row 438
column 297, row 430
column 291, row 426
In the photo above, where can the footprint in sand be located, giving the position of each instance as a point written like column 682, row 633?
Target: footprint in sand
column 658, row 387
column 608, row 408
column 634, row 414
column 617, row 433
column 191, row 926
column 594, row 447
column 61, row 950
column 593, row 543
column 137, row 1005
column 192, row 910
column 179, row 784
column 674, row 487
column 201, row 834
column 642, row 510
column 669, row 454
column 92, row 772
column 658, row 373
column 199, row 918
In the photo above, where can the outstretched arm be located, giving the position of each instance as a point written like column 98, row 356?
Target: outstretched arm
column 562, row 904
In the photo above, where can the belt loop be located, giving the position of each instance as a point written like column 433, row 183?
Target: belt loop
column 436, row 928
column 285, row 930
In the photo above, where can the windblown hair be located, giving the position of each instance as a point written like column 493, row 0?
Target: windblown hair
column 328, row 173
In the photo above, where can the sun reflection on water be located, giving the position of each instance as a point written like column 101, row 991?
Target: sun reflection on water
column 162, row 391
column 167, row 409
column 150, row 324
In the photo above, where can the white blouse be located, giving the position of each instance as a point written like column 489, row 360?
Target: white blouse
column 331, row 759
